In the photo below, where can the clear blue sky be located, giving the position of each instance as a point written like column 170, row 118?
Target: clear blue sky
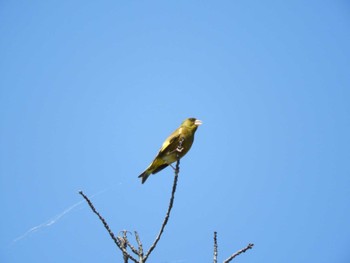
column 89, row 90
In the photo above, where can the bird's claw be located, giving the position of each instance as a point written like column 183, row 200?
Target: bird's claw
column 179, row 149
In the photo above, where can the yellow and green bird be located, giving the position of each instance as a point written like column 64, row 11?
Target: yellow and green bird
column 175, row 146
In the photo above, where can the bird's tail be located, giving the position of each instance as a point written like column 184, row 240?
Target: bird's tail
column 156, row 166
column 144, row 176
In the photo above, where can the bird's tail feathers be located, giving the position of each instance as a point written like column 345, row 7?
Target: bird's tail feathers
column 144, row 176
column 154, row 167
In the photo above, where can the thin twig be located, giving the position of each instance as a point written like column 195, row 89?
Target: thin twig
column 127, row 243
column 124, row 245
column 133, row 249
column 215, row 247
column 250, row 246
column 177, row 170
column 118, row 241
column 123, row 241
column 139, row 246
column 125, row 253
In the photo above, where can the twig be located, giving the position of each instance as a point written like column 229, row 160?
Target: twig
column 123, row 243
column 139, row 246
column 116, row 241
column 250, row 246
column 120, row 242
column 177, row 170
column 133, row 249
column 215, row 248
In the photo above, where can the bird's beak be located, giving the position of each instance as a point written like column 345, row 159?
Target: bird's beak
column 197, row 122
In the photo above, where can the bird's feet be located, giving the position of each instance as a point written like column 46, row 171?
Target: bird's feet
column 179, row 148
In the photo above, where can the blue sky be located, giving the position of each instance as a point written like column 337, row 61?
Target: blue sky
column 89, row 91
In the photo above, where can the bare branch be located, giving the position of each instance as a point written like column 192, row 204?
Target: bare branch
column 123, row 242
column 120, row 242
column 215, row 247
column 123, row 245
column 140, row 247
column 250, row 246
column 127, row 255
column 177, row 170
column 116, row 241
column 128, row 244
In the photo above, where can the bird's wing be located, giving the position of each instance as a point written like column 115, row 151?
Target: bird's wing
column 169, row 141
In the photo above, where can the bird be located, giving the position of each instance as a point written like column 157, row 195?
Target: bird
column 173, row 148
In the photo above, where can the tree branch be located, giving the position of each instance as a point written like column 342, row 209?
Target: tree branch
column 177, row 170
column 123, row 242
column 215, row 248
column 116, row 241
column 139, row 247
column 128, row 244
column 120, row 242
column 250, row 246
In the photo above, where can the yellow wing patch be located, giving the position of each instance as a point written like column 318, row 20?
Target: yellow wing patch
column 170, row 139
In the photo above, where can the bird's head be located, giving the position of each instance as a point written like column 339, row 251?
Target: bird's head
column 191, row 123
